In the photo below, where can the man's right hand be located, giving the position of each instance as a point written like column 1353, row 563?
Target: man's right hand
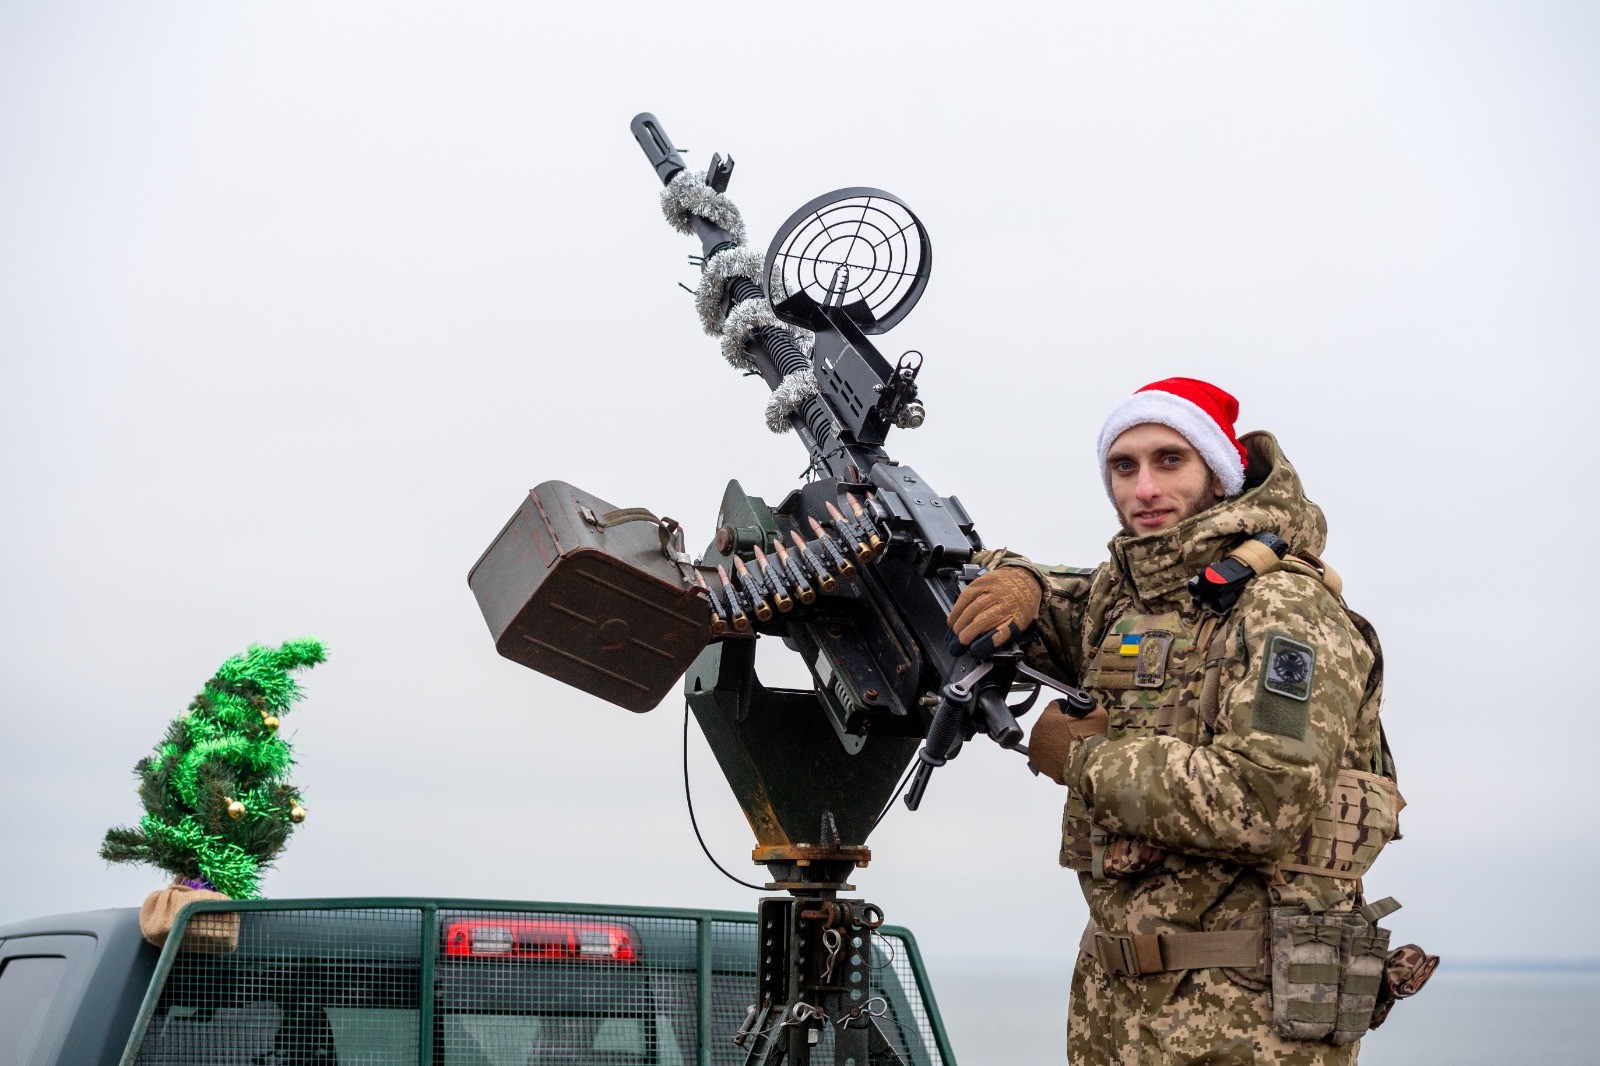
column 994, row 610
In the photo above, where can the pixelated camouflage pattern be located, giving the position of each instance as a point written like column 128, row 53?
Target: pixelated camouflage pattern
column 1365, row 953
column 1173, row 1019
column 1347, row 834
column 1112, row 855
column 1305, row 956
column 1222, row 799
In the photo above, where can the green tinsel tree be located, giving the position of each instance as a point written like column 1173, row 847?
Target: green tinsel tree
column 217, row 809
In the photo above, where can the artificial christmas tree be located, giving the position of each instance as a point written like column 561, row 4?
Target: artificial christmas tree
column 217, row 807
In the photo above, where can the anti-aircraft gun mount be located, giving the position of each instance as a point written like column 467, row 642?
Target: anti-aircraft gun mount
column 856, row 570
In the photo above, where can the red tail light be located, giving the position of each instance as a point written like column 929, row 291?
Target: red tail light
column 539, row 939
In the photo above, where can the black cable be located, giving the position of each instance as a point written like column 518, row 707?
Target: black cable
column 899, row 788
column 689, row 799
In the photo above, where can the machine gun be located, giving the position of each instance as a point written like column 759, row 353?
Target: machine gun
column 856, row 570
column 846, row 266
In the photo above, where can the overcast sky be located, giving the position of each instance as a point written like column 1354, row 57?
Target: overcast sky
column 297, row 301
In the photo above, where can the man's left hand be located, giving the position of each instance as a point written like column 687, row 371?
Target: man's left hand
column 1054, row 733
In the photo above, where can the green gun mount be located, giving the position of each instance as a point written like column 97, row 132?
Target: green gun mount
column 811, row 786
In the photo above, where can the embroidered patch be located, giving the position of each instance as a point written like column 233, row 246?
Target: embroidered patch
column 1289, row 666
column 1151, row 669
column 1130, row 644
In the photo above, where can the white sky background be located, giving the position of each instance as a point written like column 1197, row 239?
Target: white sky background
column 297, row 300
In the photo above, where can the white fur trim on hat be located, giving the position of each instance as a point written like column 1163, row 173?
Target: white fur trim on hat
column 1197, row 427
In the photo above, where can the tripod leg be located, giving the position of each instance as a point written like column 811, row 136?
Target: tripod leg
column 768, row 1044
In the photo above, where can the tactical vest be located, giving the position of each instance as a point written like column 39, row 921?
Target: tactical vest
column 1161, row 674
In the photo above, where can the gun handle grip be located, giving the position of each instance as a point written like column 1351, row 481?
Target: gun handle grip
column 919, row 784
column 657, row 146
column 997, row 719
column 943, row 732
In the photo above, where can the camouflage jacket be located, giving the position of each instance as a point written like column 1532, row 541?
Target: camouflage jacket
column 1196, row 795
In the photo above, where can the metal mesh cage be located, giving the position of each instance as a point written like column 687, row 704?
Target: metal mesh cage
column 907, row 1024
column 303, row 986
column 532, row 989
column 510, row 985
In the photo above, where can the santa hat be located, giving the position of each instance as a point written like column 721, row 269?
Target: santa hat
column 1203, row 413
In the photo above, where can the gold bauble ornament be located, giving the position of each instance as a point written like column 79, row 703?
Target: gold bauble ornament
column 270, row 721
column 235, row 809
column 297, row 813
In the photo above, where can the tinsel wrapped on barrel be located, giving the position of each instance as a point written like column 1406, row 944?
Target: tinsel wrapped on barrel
column 218, row 808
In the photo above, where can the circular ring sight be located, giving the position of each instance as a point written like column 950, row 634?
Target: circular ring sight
column 861, row 248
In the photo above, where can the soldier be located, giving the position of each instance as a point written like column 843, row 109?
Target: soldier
column 1233, row 783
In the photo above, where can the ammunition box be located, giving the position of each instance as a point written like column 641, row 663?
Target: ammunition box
column 600, row 605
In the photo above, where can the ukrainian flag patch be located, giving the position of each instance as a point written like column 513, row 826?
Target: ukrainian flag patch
column 1130, row 643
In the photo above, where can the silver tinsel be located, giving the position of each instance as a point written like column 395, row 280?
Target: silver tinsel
column 791, row 392
column 721, row 268
column 688, row 194
column 777, row 291
column 742, row 321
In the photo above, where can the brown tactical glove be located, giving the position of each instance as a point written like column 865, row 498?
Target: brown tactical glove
column 1054, row 733
column 994, row 610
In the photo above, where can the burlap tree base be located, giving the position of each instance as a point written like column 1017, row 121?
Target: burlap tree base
column 214, row 933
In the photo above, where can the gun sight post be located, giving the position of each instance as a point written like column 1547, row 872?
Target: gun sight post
column 719, row 172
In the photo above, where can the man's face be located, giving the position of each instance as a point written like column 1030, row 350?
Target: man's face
column 1158, row 479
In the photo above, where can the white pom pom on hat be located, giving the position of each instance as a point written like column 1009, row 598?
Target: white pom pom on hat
column 1203, row 413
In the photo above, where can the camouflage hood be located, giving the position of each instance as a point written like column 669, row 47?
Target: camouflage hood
column 1159, row 566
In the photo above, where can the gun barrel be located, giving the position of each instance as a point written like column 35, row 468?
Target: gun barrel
column 658, row 147
column 668, row 161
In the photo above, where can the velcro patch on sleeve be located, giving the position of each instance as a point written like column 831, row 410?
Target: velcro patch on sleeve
column 1289, row 665
column 1281, row 705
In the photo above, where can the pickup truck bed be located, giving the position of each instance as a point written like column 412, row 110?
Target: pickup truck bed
column 414, row 982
